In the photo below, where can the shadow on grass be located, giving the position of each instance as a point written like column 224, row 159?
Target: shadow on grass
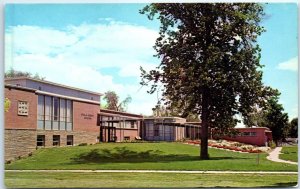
column 124, row 155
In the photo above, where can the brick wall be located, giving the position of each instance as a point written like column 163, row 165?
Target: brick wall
column 19, row 142
column 12, row 119
column 85, row 117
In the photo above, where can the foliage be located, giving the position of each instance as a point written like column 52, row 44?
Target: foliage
column 112, row 101
column 209, row 61
column 276, row 119
column 14, row 73
column 6, row 104
column 293, row 128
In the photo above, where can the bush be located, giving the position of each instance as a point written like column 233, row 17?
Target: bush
column 272, row 144
column 82, row 144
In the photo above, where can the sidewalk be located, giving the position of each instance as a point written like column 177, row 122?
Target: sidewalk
column 274, row 156
column 155, row 171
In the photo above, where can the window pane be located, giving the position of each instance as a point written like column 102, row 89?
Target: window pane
column 55, row 125
column 69, row 111
column 40, row 125
column 62, row 125
column 69, row 126
column 41, row 107
column 48, row 104
column 56, row 140
column 40, row 141
column 62, row 110
column 70, row 140
column 55, row 108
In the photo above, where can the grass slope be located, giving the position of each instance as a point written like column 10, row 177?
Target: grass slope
column 139, row 180
column 289, row 153
column 143, row 156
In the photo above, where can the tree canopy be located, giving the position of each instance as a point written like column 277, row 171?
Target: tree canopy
column 112, row 102
column 14, row 73
column 210, row 61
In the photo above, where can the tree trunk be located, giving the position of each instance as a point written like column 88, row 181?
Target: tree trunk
column 204, row 126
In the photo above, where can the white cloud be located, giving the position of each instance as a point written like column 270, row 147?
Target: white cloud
column 76, row 55
column 291, row 64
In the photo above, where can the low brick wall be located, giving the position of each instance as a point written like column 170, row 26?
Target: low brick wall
column 19, row 143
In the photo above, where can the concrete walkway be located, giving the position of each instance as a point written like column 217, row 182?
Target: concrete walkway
column 154, row 171
column 274, row 156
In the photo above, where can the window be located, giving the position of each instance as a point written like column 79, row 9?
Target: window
column 40, row 140
column 56, row 140
column 62, row 116
column 156, row 130
column 41, row 112
column 23, row 108
column 252, row 133
column 246, row 134
column 70, row 140
column 48, row 112
column 132, row 125
column 126, row 138
column 54, row 113
column 69, row 114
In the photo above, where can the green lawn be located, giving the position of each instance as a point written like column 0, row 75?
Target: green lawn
column 289, row 153
column 138, row 180
column 143, row 156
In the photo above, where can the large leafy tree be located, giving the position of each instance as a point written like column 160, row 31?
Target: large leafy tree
column 209, row 61
column 112, row 101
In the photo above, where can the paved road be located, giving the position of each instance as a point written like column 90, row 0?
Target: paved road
column 274, row 156
column 156, row 171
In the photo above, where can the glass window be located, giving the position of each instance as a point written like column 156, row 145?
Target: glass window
column 40, row 140
column 48, row 112
column 156, row 130
column 41, row 112
column 70, row 140
column 246, row 134
column 62, row 112
column 132, row 125
column 69, row 115
column 55, row 109
column 56, row 140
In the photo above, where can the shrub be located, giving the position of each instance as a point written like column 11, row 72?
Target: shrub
column 82, row 144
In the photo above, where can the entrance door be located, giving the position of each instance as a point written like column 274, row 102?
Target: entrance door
column 112, row 137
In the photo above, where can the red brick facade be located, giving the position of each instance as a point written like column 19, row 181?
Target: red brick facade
column 85, row 116
column 12, row 119
column 261, row 136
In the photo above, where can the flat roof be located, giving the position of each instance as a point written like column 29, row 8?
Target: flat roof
column 52, row 83
column 118, row 113
column 49, row 94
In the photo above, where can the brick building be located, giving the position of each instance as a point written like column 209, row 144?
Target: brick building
column 47, row 114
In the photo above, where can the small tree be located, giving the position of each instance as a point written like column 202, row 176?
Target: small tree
column 293, row 129
column 276, row 119
column 112, row 102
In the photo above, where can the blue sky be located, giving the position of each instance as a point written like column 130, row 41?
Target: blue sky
column 100, row 47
